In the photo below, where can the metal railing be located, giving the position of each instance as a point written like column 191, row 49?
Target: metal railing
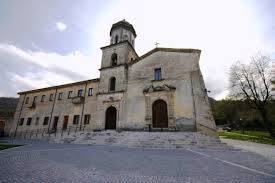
column 46, row 133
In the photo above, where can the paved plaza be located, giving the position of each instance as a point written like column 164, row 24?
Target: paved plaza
column 49, row 162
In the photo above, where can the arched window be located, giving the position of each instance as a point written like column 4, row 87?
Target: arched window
column 112, row 84
column 125, row 37
column 114, row 59
column 116, row 39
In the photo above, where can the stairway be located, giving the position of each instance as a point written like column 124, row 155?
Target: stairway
column 145, row 139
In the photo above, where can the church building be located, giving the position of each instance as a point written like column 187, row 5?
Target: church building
column 161, row 90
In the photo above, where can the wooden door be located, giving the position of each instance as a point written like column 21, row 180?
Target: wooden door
column 65, row 122
column 160, row 117
column 110, row 118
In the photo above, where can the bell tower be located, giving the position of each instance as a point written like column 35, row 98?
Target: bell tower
column 116, row 57
column 122, row 31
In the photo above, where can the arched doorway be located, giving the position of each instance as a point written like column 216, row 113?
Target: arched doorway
column 160, row 117
column 110, row 118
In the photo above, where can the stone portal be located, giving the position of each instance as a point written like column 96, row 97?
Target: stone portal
column 160, row 117
column 110, row 118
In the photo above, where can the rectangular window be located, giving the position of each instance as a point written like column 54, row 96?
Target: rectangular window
column 87, row 119
column 76, row 119
column 27, row 100
column 34, row 99
column 46, row 121
column 70, row 94
column 21, row 122
column 43, row 98
column 90, row 92
column 29, row 121
column 51, row 97
column 60, row 96
column 37, row 121
column 80, row 93
column 158, row 74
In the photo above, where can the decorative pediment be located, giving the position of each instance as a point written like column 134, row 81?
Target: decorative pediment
column 164, row 87
column 111, row 99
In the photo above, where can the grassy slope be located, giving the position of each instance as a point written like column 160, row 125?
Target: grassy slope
column 252, row 136
column 6, row 146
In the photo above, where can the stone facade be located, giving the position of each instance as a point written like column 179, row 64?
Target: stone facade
column 129, row 83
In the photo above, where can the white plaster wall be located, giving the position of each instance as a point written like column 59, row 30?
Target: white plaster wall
column 176, row 68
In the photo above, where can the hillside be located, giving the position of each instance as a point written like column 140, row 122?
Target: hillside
column 7, row 106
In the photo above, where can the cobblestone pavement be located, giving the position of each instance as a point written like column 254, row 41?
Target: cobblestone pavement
column 43, row 162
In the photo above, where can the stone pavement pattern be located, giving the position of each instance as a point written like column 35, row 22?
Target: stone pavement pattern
column 43, row 162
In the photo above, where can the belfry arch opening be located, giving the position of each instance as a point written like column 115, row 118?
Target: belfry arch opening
column 110, row 118
column 112, row 84
column 160, row 114
column 114, row 59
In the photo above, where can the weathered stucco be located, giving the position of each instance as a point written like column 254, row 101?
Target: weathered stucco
column 181, row 87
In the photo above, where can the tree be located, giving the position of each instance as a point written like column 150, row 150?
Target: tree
column 252, row 83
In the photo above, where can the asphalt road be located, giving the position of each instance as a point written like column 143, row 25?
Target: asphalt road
column 43, row 162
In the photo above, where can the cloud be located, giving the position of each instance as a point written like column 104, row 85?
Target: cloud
column 25, row 70
column 61, row 26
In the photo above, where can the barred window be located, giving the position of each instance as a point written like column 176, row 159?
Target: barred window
column 80, row 93
column 27, row 100
column 51, row 97
column 76, row 119
column 90, row 92
column 29, row 121
column 60, row 96
column 70, row 94
column 87, row 118
column 21, row 122
column 46, row 121
column 37, row 121
column 43, row 98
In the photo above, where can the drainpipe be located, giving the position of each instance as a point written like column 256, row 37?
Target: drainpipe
column 83, row 105
column 19, row 115
column 52, row 111
column 194, row 104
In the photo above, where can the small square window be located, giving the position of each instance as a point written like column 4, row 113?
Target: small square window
column 21, row 122
column 158, row 74
column 29, row 121
column 51, row 97
column 46, row 121
column 34, row 99
column 27, row 100
column 37, row 121
column 80, row 93
column 43, row 98
column 87, row 119
column 76, row 119
column 90, row 92
column 60, row 96
column 70, row 94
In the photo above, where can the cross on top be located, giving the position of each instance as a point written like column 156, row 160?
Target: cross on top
column 156, row 44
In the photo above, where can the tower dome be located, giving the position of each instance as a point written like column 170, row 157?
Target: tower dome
column 122, row 31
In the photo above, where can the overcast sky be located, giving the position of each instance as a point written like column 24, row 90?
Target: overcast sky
column 45, row 43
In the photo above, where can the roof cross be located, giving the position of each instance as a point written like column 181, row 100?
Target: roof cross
column 156, row 44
